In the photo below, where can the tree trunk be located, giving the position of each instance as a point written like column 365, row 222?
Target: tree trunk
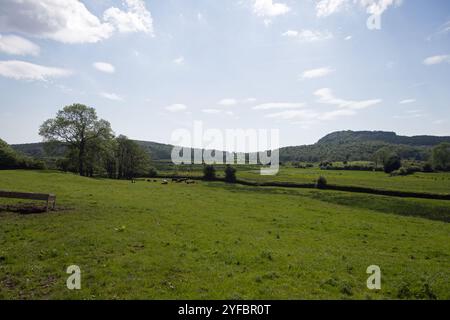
column 81, row 159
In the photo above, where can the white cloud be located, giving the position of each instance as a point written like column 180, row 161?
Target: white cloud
column 278, row 105
column 111, row 96
column 326, row 96
column 317, row 73
column 179, row 60
column 443, row 30
column 15, row 45
column 290, row 33
column 269, row 8
column 348, row 38
column 326, row 8
column 228, row 102
column 380, row 6
column 69, row 21
column 436, row 60
column 406, row 101
column 21, row 70
column 218, row 111
column 212, row 111
column 304, row 115
column 331, row 115
column 250, row 100
column 104, row 67
column 136, row 19
column 310, row 116
column 308, row 35
column 176, row 107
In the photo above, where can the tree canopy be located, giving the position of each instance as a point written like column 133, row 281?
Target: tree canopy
column 79, row 127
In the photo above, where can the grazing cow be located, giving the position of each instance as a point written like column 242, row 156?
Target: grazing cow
column 165, row 181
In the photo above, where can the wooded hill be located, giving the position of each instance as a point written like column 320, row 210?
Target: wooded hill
column 336, row 146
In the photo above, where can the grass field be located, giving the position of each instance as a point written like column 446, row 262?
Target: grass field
column 214, row 240
column 418, row 182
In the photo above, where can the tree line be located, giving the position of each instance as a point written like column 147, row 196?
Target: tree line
column 91, row 146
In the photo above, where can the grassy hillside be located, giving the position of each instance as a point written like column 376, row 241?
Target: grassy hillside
column 212, row 240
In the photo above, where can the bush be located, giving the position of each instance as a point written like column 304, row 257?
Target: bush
column 392, row 163
column 427, row 167
column 209, row 172
column 230, row 174
column 152, row 173
column 321, row 183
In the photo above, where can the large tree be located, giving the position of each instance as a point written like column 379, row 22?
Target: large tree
column 441, row 156
column 132, row 159
column 79, row 128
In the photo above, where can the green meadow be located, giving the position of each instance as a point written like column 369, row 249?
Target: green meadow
column 212, row 240
column 418, row 182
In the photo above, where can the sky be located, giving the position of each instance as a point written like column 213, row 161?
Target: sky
column 305, row 67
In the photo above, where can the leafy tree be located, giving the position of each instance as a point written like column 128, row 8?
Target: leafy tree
column 152, row 173
column 132, row 160
column 321, row 183
column 392, row 163
column 10, row 159
column 382, row 155
column 209, row 172
column 441, row 156
column 230, row 174
column 80, row 129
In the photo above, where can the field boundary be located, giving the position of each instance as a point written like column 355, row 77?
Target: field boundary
column 381, row 192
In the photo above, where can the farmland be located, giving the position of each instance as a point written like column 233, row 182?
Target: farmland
column 419, row 182
column 212, row 240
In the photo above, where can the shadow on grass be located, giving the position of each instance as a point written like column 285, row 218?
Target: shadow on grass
column 27, row 208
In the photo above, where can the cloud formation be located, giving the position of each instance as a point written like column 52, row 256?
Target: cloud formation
column 15, row 45
column 307, row 35
column 111, row 96
column 279, row 105
column 228, row 102
column 69, row 21
column 21, row 70
column 325, row 8
column 326, row 96
column 176, row 107
column 104, row 67
column 316, row 73
column 269, row 8
column 436, row 60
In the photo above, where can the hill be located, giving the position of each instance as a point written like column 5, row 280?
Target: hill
column 362, row 145
column 336, row 146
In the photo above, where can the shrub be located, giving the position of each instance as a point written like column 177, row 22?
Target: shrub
column 230, row 174
column 152, row 173
column 321, row 183
column 427, row 167
column 392, row 163
column 209, row 172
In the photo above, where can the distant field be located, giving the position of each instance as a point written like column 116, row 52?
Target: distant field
column 418, row 182
column 219, row 241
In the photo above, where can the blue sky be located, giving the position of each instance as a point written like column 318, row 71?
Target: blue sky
column 150, row 67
